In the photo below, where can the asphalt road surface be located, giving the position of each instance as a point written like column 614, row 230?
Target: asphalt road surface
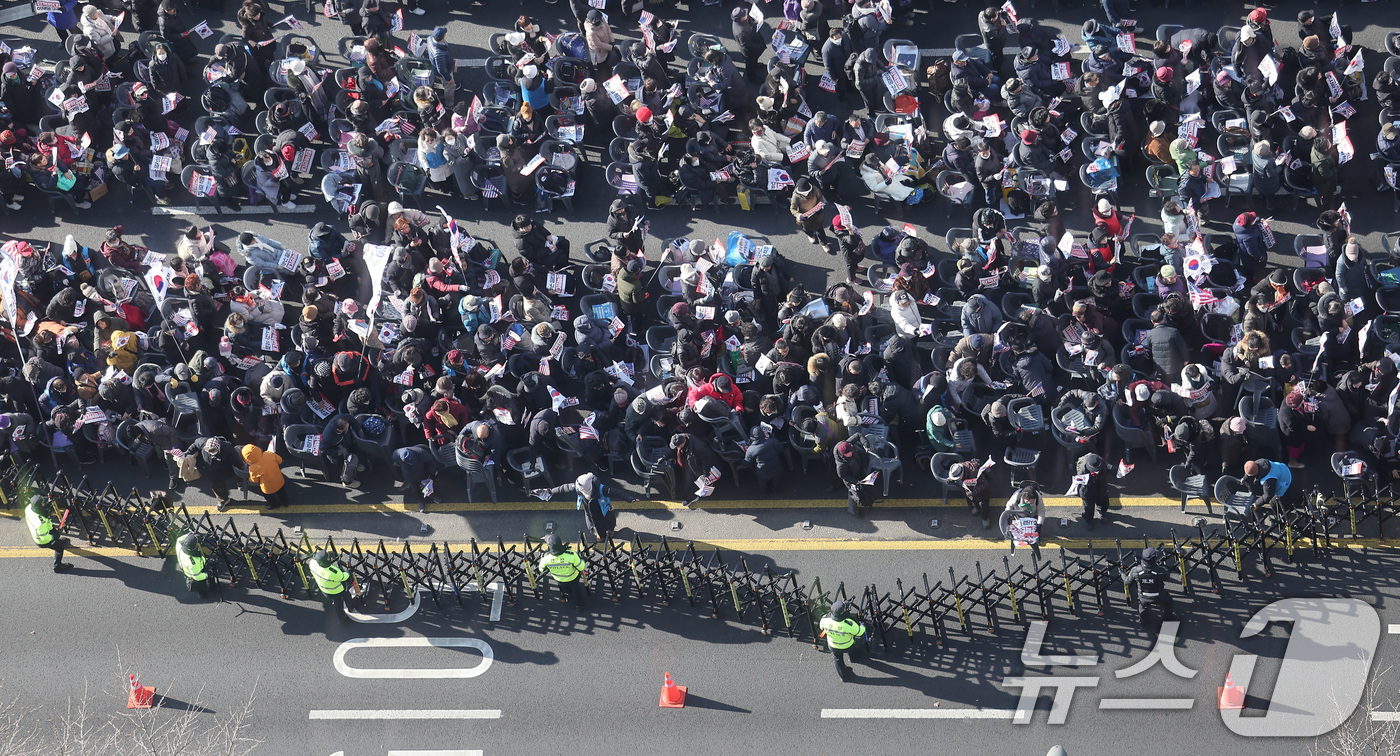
column 589, row 682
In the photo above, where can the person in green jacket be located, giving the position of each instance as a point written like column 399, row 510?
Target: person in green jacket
column 630, row 288
column 841, row 631
column 566, row 568
column 330, row 578
column 190, row 558
column 45, row 532
column 939, row 429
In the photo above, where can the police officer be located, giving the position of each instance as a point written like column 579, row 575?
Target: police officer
column 1150, row 577
column 841, row 631
column 565, row 567
column 330, row 579
column 45, row 533
column 191, row 560
column 1094, row 492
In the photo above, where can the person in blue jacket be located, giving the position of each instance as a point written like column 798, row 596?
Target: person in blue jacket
column 64, row 20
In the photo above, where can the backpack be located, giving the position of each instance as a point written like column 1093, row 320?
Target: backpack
column 939, row 76
column 1018, row 202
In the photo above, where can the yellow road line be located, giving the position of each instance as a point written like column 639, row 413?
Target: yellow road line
column 654, row 505
column 756, row 545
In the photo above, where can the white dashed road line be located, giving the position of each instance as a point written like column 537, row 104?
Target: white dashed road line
column 918, row 713
column 342, row 714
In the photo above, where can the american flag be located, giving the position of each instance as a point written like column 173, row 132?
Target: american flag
column 1200, row 297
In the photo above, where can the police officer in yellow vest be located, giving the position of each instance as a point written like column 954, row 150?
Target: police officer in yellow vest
column 330, row 578
column 841, row 632
column 190, row 558
column 566, row 568
column 44, row 531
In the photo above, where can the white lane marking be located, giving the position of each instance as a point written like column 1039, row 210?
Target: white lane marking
column 497, row 605
column 386, row 619
column 1152, row 704
column 498, row 600
column 1385, row 716
column 487, row 656
column 339, row 714
column 918, row 713
column 435, row 753
column 248, row 210
column 471, row 62
column 1393, row 629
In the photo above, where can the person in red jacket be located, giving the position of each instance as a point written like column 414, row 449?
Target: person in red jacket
column 444, row 420
column 720, row 387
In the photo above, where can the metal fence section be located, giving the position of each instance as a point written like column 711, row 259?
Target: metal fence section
column 666, row 573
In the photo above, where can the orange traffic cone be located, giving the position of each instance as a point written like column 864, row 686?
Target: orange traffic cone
column 1231, row 696
column 672, row 695
column 140, row 696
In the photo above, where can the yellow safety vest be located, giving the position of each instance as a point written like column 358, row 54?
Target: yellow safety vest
column 564, row 567
column 191, row 564
column 841, row 635
column 40, row 526
column 330, row 579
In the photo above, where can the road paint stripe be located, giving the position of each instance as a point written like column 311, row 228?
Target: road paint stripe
column 456, row 673
column 1393, row 629
column 341, row 714
column 245, row 210
column 1385, row 716
column 918, row 713
column 1137, row 502
column 436, row 753
column 498, row 601
column 1146, row 704
column 737, row 544
column 387, row 619
column 471, row 62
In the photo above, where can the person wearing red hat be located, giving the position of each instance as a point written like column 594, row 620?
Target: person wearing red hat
column 1264, row 31
column 1032, row 153
column 853, row 468
column 852, row 248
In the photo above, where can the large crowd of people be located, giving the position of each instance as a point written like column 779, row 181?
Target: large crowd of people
column 390, row 336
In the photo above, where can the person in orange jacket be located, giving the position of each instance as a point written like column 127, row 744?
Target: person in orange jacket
column 264, row 469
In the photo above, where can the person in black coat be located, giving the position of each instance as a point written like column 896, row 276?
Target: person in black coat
column 765, row 454
column 415, row 465
column 835, row 51
column 853, row 468
column 173, row 30
column 214, row 457
column 625, row 228
column 532, row 241
column 750, row 42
